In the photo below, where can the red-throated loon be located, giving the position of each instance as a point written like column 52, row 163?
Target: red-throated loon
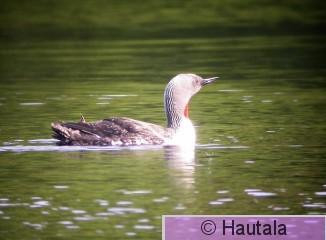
column 127, row 132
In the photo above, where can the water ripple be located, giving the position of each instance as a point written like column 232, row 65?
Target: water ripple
column 144, row 227
column 31, row 104
column 48, row 145
column 11, row 147
column 123, row 210
column 259, row 193
column 320, row 193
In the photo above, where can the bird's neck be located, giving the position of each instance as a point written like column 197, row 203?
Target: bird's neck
column 175, row 115
column 176, row 104
column 186, row 110
column 177, row 110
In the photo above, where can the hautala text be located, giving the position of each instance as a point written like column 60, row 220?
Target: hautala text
column 255, row 229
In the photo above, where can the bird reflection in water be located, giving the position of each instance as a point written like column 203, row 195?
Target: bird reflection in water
column 182, row 160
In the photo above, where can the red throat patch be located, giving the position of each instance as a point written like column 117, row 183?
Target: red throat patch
column 186, row 111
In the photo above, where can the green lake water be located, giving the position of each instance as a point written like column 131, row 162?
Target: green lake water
column 261, row 132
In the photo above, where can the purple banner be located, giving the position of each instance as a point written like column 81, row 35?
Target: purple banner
column 244, row 227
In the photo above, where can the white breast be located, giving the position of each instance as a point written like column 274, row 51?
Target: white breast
column 185, row 135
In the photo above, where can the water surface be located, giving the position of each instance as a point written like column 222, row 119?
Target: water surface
column 260, row 127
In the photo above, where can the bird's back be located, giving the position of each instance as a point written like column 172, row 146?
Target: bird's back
column 109, row 132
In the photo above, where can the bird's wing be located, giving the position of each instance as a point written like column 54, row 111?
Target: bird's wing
column 110, row 131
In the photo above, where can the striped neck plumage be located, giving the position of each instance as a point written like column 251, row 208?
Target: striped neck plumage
column 176, row 108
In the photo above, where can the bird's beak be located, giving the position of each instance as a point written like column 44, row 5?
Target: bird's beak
column 208, row 80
